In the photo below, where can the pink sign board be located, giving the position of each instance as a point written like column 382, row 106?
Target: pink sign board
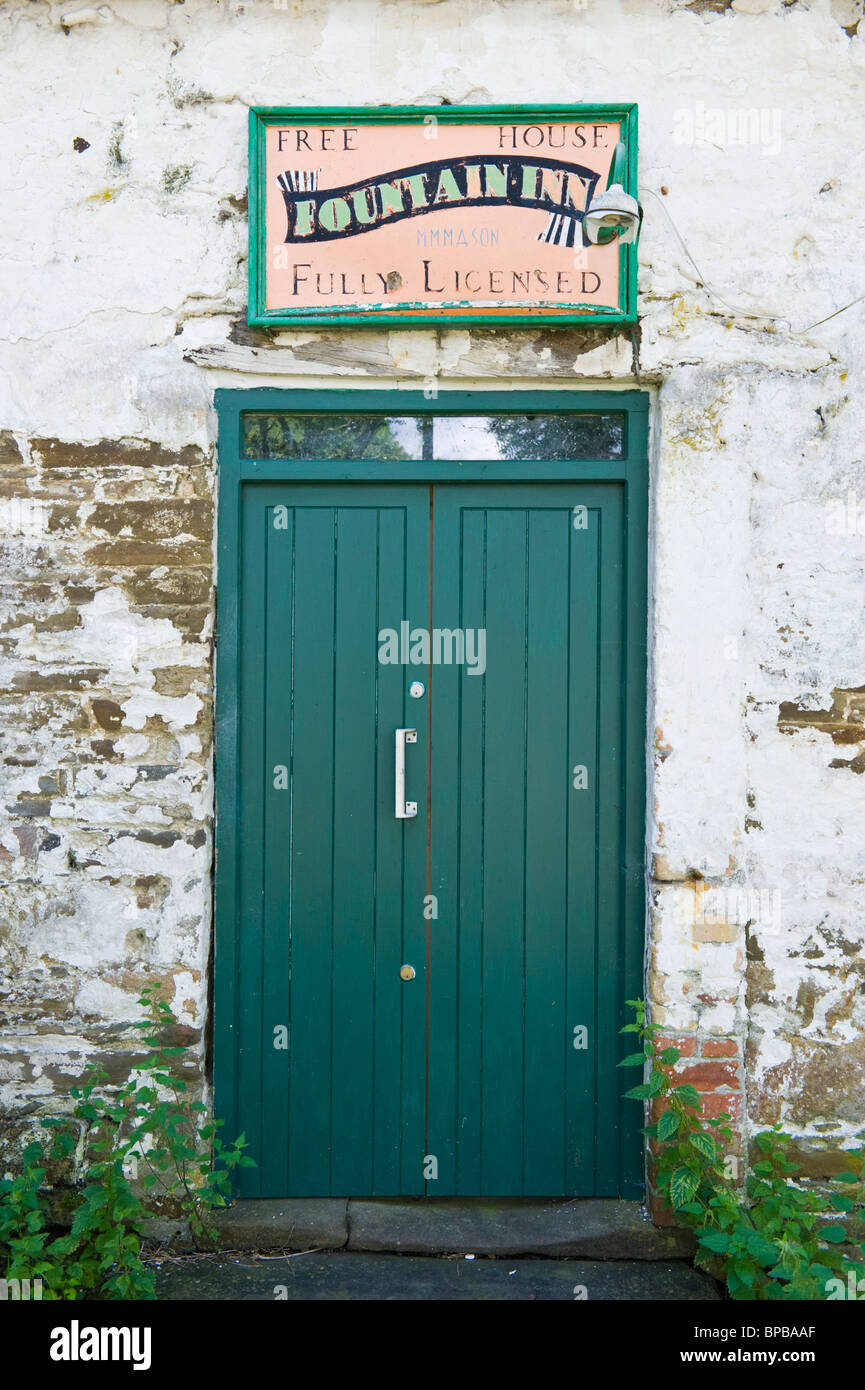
column 431, row 215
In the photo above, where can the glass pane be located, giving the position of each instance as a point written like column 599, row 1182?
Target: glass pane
column 542, row 437
column 281, row 436
column 546, row 438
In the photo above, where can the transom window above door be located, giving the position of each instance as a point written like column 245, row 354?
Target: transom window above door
column 391, row 438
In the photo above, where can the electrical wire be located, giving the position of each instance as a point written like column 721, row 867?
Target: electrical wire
column 755, row 311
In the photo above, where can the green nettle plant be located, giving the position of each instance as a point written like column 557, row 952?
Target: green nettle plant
column 149, row 1124
column 775, row 1241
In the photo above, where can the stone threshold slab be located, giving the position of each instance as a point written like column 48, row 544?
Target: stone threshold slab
column 593, row 1228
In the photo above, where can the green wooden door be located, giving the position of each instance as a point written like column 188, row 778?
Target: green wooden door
column 331, row 1043
column 513, row 892
column 527, row 838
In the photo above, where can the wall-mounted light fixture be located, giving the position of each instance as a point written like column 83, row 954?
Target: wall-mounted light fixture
column 614, row 213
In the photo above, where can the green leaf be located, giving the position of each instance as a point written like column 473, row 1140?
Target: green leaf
column 63, row 1145
column 634, row 1059
column 763, row 1250
column 718, row 1241
column 668, row 1124
column 639, row 1093
column 704, row 1144
column 841, row 1203
column 846, row 1177
column 683, row 1184
column 669, row 1056
column 745, row 1272
column 688, row 1095
column 835, row 1235
column 31, row 1245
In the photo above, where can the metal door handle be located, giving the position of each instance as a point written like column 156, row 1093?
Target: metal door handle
column 404, row 810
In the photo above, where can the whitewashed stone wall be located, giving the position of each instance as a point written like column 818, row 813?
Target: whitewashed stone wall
column 124, row 285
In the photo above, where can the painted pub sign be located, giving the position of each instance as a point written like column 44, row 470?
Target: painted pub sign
column 412, row 215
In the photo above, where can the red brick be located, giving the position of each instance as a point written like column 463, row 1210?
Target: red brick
column 661, row 1214
column 708, row 1076
column 720, row 1047
column 722, row 1103
column 686, row 1044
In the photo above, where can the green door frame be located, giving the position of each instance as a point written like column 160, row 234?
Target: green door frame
column 234, row 471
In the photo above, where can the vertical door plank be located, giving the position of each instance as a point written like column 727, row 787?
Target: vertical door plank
column 309, row 1124
column 387, row 715
column 354, row 827
column 503, row 791
column 611, row 843
column 459, row 804
column 251, row 800
column 412, row 835
column 449, row 1138
column 275, row 661
column 583, row 1115
column 547, row 790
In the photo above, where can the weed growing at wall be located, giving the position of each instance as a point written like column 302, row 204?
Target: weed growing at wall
column 149, row 1124
column 775, row 1241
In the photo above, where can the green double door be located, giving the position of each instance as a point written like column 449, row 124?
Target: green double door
column 430, row 1003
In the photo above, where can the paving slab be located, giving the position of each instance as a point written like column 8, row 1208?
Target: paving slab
column 593, row 1228
column 586, row 1228
column 347, row 1276
column 297, row 1223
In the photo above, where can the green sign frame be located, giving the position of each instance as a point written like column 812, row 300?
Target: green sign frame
column 416, row 315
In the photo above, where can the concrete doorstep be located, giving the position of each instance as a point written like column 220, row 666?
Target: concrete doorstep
column 582, row 1228
column 436, row 1248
